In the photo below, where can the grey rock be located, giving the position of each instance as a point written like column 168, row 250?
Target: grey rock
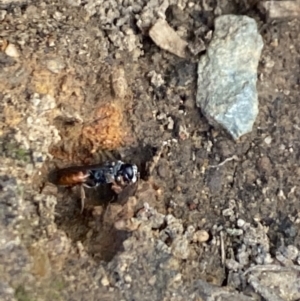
column 180, row 248
column 232, row 264
column 290, row 252
column 281, row 258
column 243, row 255
column 228, row 212
column 276, row 283
column 256, row 237
column 209, row 292
column 227, row 75
column 234, row 232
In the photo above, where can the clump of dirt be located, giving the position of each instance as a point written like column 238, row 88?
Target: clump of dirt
column 107, row 132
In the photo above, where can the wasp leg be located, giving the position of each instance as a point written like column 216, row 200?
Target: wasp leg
column 108, row 155
column 118, row 187
column 82, row 196
column 104, row 156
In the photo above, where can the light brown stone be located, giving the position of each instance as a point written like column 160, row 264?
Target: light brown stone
column 282, row 9
column 166, row 38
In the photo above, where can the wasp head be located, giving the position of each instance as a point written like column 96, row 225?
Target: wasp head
column 128, row 173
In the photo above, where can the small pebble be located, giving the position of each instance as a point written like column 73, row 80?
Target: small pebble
column 29, row 169
column 281, row 258
column 268, row 140
column 243, row 256
column 57, row 15
column 183, row 133
column 177, row 277
column 127, row 278
column 55, row 65
column 38, row 157
column 35, row 100
column 200, row 236
column 180, row 248
column 240, row 223
column 74, row 2
column 156, row 79
column 290, row 252
column 31, row 11
column 123, row 267
column 170, row 123
column 234, row 232
column 269, row 63
column 286, row 92
column 232, row 264
column 12, row 51
column 162, row 171
column 228, row 212
column 152, row 280
column 190, row 230
column 2, row 14
column 51, row 42
column 104, row 281
column 29, row 120
column 268, row 259
column 47, row 103
column 161, row 116
column 165, row 37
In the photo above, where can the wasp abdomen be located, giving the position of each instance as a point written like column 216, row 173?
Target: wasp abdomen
column 71, row 178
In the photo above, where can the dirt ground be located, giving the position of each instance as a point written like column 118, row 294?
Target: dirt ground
column 87, row 65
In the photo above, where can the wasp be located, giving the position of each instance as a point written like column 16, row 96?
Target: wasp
column 118, row 173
